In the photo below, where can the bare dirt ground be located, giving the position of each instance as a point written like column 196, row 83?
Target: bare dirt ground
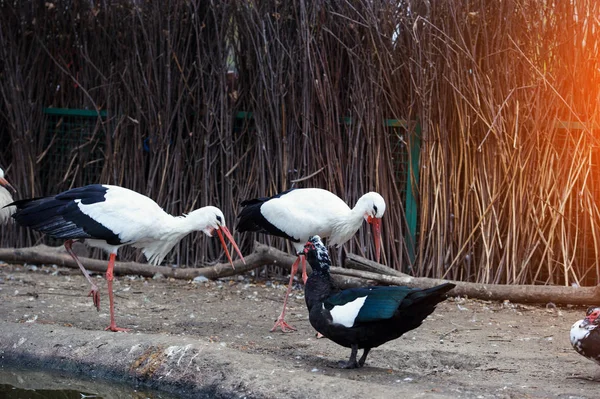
column 466, row 349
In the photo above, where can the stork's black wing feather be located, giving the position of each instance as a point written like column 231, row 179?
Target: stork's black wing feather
column 252, row 219
column 61, row 217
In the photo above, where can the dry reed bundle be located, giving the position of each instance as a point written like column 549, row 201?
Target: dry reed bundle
column 506, row 195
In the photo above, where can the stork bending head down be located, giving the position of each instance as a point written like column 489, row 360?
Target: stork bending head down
column 299, row 214
column 109, row 217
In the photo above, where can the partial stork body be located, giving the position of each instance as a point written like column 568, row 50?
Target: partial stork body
column 109, row 217
column 299, row 214
column 5, row 199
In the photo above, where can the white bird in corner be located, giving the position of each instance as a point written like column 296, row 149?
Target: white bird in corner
column 5, row 199
column 109, row 217
column 299, row 214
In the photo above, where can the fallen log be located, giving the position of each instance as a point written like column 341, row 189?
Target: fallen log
column 544, row 294
column 355, row 262
column 265, row 255
column 42, row 254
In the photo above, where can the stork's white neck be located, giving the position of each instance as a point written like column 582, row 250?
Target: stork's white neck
column 346, row 225
column 172, row 230
column 199, row 219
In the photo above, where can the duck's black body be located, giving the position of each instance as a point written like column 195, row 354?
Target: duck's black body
column 363, row 318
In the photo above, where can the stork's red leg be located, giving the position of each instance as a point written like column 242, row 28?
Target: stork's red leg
column 109, row 279
column 94, row 291
column 304, row 275
column 285, row 327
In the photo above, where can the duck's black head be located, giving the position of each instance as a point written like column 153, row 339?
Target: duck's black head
column 592, row 316
column 317, row 255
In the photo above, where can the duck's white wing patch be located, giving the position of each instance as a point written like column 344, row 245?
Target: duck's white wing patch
column 346, row 314
column 579, row 333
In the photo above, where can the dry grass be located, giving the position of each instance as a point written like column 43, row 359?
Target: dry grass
column 505, row 194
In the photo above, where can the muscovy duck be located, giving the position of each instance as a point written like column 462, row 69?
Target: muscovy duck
column 363, row 318
column 585, row 335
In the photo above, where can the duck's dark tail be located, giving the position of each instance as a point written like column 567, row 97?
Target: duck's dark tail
column 434, row 294
column 419, row 304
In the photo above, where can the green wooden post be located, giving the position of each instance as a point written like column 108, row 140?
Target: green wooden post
column 87, row 113
column 412, row 181
column 411, row 203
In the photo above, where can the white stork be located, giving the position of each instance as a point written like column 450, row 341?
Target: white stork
column 299, row 214
column 5, row 199
column 109, row 217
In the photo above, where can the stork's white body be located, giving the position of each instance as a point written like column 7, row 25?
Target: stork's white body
column 5, row 199
column 313, row 211
column 139, row 221
column 303, row 213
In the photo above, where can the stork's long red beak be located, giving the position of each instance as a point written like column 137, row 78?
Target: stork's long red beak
column 5, row 183
column 376, row 226
column 230, row 238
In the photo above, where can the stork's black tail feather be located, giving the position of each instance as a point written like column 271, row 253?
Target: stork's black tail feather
column 61, row 217
column 250, row 217
column 31, row 211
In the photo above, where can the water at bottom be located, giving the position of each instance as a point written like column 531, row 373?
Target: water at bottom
column 37, row 384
